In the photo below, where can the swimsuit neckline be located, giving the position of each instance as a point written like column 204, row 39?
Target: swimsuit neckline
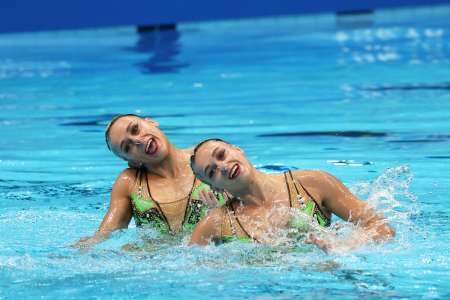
column 236, row 217
column 299, row 197
column 158, row 205
column 303, row 198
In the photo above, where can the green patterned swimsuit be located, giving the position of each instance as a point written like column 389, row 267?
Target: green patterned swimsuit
column 147, row 211
column 299, row 198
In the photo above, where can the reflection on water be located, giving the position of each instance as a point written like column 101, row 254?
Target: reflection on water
column 163, row 45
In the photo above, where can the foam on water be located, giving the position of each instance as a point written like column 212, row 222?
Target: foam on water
column 35, row 249
column 56, row 229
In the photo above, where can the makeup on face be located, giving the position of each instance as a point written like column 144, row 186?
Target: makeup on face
column 219, row 166
column 134, row 132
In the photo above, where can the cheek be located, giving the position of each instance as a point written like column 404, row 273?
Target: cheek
column 224, row 183
column 214, row 182
column 163, row 147
column 132, row 153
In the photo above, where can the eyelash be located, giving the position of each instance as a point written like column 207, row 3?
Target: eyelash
column 221, row 154
column 135, row 129
column 211, row 173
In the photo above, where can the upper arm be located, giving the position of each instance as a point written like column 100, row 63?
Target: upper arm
column 336, row 198
column 119, row 213
column 208, row 228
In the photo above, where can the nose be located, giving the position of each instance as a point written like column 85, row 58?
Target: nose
column 222, row 167
column 137, row 141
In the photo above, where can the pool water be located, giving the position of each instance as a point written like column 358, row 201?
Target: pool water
column 366, row 99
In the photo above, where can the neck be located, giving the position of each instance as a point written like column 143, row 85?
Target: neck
column 260, row 191
column 172, row 165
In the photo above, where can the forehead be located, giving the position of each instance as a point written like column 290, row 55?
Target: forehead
column 118, row 130
column 204, row 153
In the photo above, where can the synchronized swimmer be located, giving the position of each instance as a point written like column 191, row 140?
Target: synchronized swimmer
column 158, row 189
column 214, row 192
column 263, row 203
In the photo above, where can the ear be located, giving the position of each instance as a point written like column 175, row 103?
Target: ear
column 153, row 122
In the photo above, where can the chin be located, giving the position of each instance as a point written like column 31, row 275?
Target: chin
column 163, row 150
column 238, row 183
column 160, row 156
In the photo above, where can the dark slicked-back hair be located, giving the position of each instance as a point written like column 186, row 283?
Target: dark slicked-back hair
column 110, row 124
column 201, row 144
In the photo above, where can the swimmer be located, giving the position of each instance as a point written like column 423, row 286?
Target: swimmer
column 158, row 188
column 262, row 202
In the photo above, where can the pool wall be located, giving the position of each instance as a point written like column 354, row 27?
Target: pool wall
column 22, row 15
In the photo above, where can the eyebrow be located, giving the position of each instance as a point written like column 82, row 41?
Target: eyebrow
column 126, row 130
column 212, row 155
column 129, row 126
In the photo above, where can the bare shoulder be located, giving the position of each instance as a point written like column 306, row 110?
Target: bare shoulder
column 320, row 184
column 128, row 174
column 213, row 218
column 321, row 180
column 188, row 151
column 125, row 181
column 313, row 177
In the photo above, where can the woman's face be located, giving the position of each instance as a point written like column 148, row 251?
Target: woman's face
column 222, row 165
column 138, row 140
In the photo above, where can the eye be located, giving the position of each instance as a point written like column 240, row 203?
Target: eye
column 211, row 173
column 134, row 129
column 221, row 155
column 126, row 148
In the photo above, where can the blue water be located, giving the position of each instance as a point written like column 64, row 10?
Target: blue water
column 367, row 100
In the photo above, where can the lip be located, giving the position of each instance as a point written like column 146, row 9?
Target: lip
column 234, row 172
column 151, row 147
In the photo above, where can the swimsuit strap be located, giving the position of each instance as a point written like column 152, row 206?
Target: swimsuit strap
column 189, row 200
column 138, row 177
column 301, row 192
column 291, row 190
column 156, row 202
column 238, row 222
column 231, row 226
